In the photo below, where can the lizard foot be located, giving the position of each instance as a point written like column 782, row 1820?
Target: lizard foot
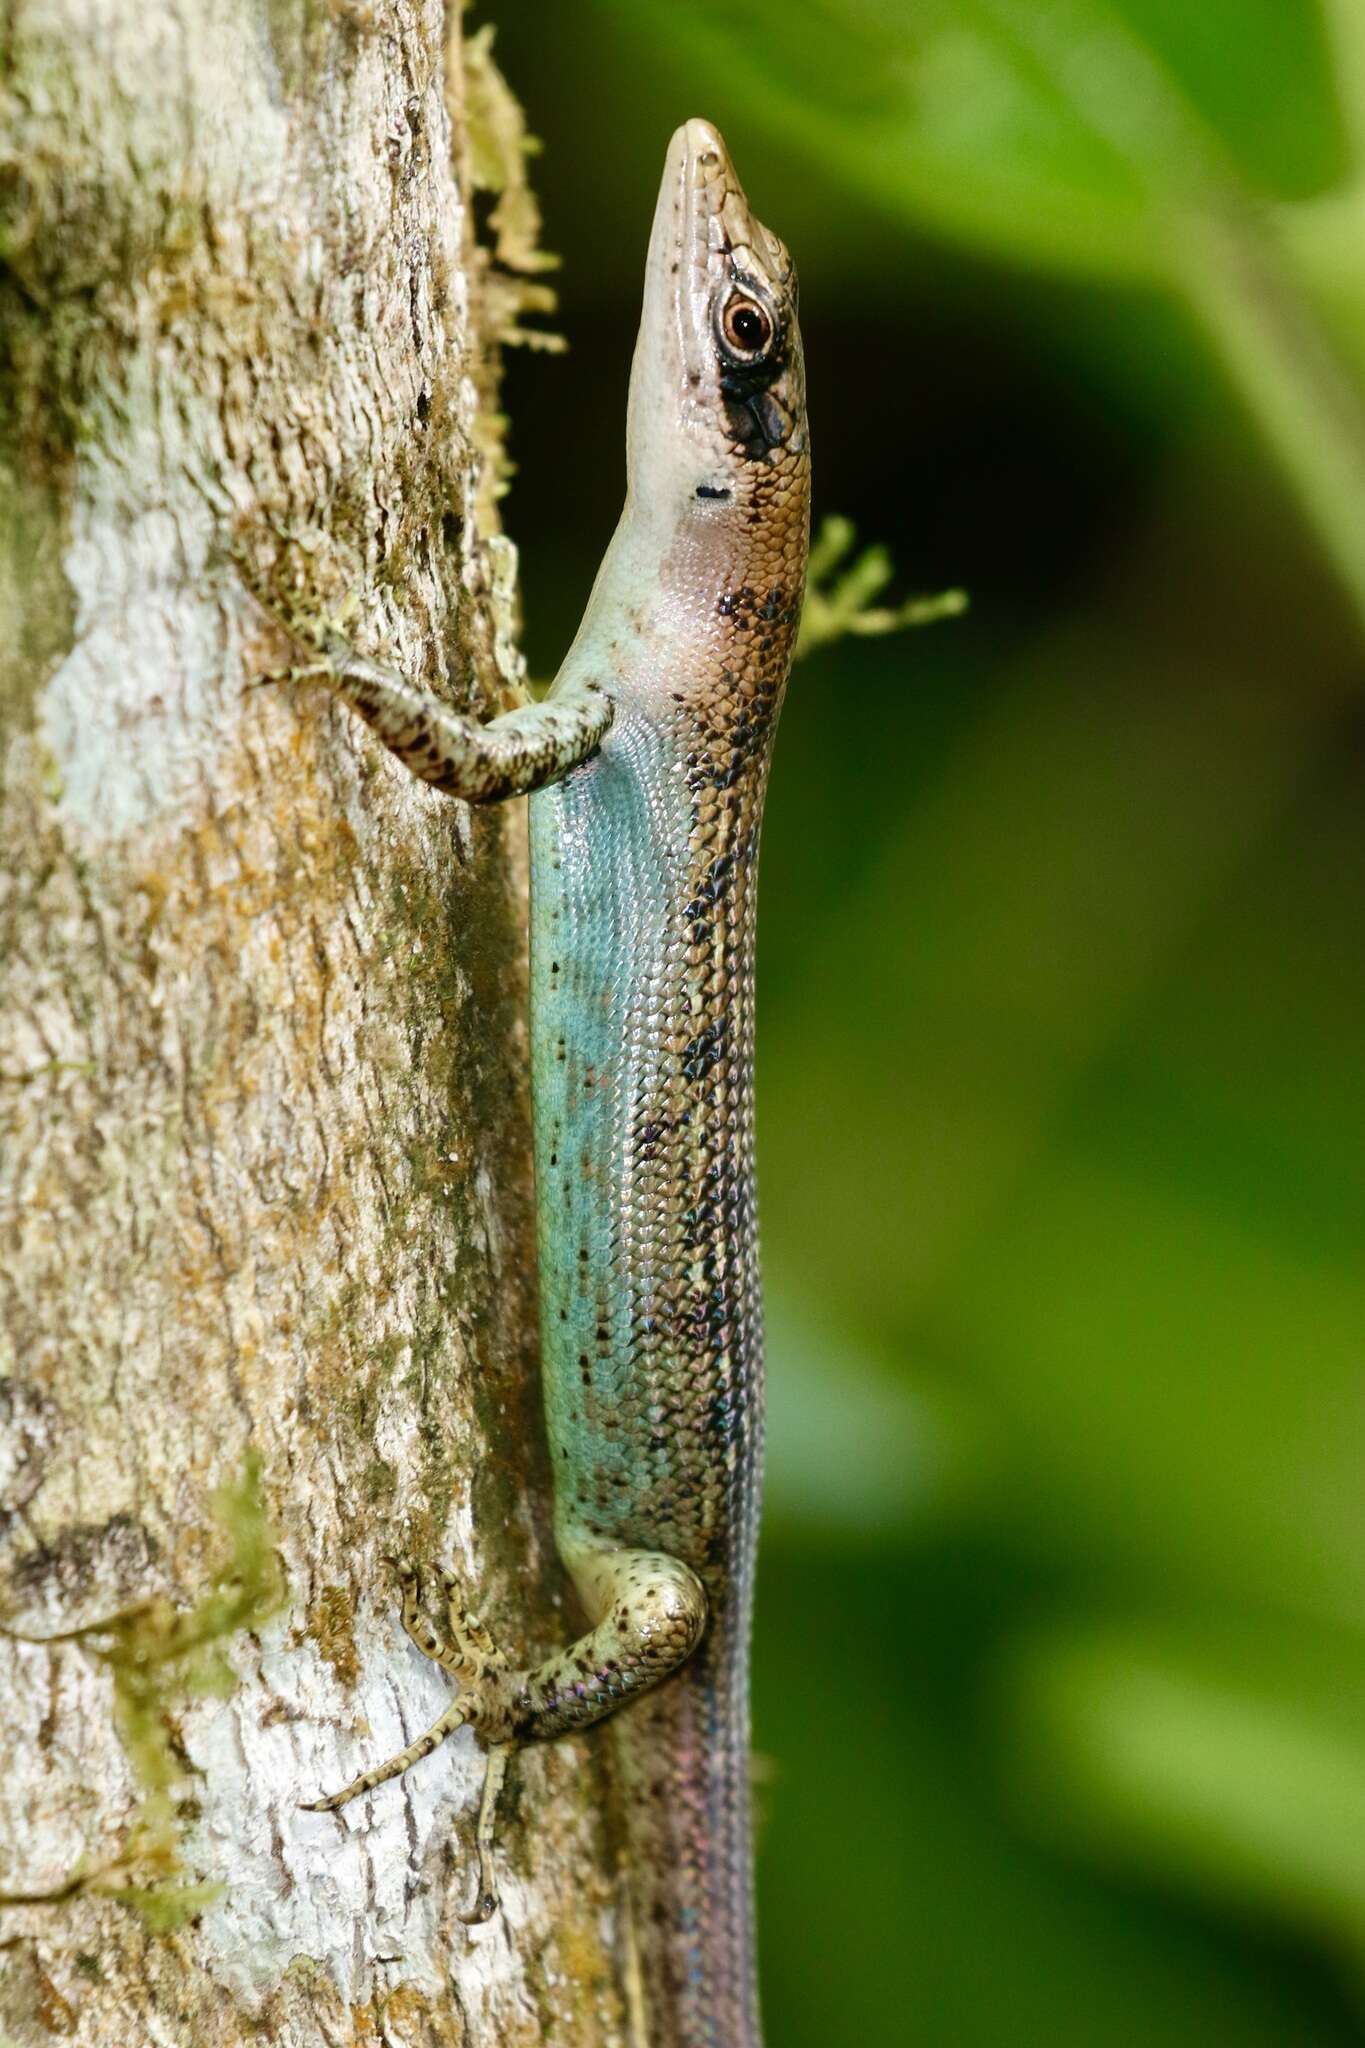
column 485, row 1678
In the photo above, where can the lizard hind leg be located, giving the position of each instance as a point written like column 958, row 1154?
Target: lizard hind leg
column 650, row 1610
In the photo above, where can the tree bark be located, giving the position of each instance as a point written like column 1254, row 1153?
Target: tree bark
column 265, row 1206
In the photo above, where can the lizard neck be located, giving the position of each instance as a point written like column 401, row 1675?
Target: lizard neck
column 699, row 608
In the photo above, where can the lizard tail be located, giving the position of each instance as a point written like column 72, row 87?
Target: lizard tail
column 683, row 1756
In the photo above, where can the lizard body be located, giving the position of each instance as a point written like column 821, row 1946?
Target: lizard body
column 648, row 761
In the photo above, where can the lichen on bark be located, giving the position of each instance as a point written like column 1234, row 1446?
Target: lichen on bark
column 264, row 1179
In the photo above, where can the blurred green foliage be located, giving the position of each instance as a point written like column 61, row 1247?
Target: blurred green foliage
column 1061, row 1669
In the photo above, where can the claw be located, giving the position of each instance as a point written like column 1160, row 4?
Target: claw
column 484, row 1908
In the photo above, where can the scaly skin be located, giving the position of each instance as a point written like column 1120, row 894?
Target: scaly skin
column 649, row 760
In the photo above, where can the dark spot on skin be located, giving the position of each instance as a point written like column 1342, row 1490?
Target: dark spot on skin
column 757, row 423
column 776, row 423
column 711, row 491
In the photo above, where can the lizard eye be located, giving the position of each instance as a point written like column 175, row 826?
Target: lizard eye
column 746, row 326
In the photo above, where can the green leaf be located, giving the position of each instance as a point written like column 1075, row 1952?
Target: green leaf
column 854, row 1453
column 1228, row 1764
column 165, row 1908
column 1035, row 132
column 931, row 110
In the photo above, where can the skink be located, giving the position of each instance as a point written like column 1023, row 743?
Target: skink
column 647, row 764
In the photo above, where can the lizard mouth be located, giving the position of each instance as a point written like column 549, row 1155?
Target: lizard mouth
column 714, row 220
column 709, row 178
column 701, row 215
column 704, row 244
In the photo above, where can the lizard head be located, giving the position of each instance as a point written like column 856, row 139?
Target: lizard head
column 717, row 390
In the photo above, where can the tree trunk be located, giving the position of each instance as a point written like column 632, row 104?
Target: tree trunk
column 264, row 1185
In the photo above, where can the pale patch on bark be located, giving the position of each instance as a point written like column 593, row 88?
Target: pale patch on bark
column 132, row 718
column 372, row 1916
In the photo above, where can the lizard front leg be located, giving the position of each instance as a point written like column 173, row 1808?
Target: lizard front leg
column 523, row 750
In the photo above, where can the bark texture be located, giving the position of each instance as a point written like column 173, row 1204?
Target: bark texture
column 264, row 1182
